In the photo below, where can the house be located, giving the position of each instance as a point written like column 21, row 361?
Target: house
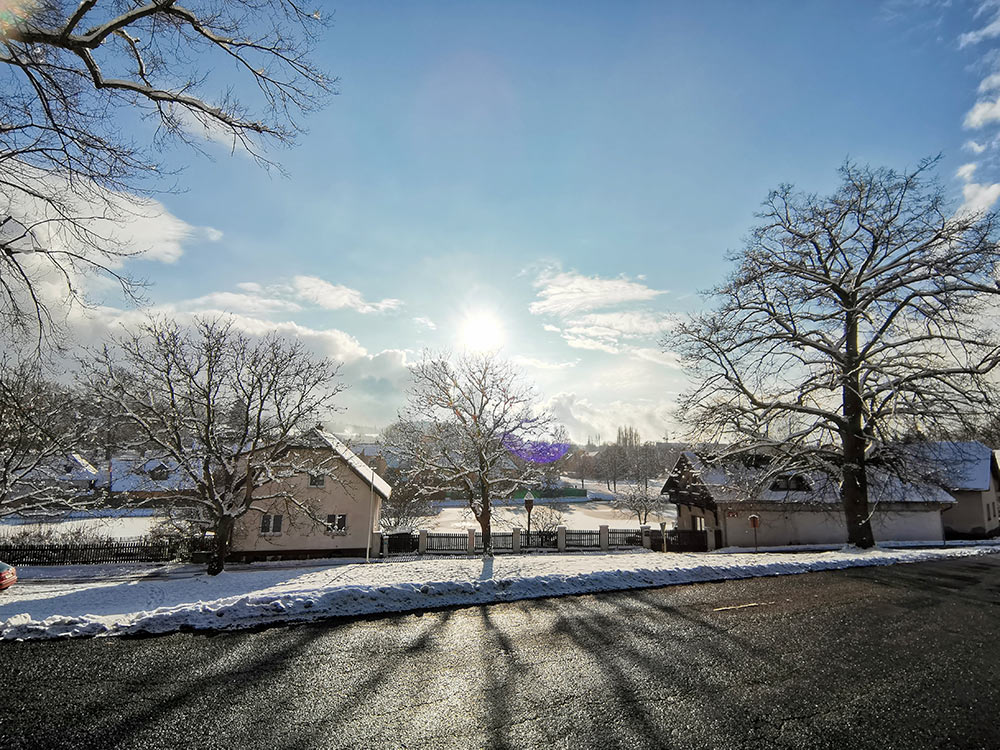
column 794, row 508
column 331, row 507
column 971, row 474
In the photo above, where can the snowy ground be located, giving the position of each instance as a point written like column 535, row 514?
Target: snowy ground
column 115, row 524
column 58, row 602
column 577, row 513
column 588, row 514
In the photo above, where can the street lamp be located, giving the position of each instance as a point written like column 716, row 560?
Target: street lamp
column 529, row 503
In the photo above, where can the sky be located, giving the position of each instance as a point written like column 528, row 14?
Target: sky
column 558, row 180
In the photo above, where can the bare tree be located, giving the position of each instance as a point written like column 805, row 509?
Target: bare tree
column 640, row 501
column 38, row 434
column 848, row 322
column 468, row 423
column 218, row 405
column 611, row 464
column 75, row 75
column 407, row 507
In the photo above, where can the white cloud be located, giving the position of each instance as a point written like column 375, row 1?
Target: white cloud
column 667, row 359
column 966, row 171
column 250, row 286
column 427, row 323
column 974, row 147
column 565, row 293
column 982, row 113
column 539, row 364
column 236, row 302
column 628, row 323
column 336, row 296
column 979, row 197
column 990, row 83
column 585, row 418
column 122, row 224
column 990, row 31
column 551, row 328
column 578, row 341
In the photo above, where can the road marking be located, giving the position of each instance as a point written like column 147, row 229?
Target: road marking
column 742, row 606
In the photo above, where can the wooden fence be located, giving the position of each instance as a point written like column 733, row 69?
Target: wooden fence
column 109, row 551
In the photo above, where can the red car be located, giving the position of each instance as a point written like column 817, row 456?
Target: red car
column 8, row 576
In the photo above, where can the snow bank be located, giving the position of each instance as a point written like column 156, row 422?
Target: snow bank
column 136, row 603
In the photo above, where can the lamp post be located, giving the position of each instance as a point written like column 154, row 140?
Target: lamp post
column 529, row 503
column 371, row 518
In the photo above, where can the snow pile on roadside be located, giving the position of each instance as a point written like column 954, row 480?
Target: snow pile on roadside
column 242, row 599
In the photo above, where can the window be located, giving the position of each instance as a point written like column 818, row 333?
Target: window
column 159, row 472
column 270, row 523
column 337, row 522
column 317, row 480
column 790, row 483
column 699, row 523
column 988, row 517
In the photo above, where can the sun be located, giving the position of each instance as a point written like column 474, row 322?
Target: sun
column 480, row 331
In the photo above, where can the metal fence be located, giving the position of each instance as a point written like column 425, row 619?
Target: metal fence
column 111, row 551
column 403, row 543
column 502, row 540
column 583, row 538
column 679, row 540
column 447, row 542
column 624, row 538
column 540, row 539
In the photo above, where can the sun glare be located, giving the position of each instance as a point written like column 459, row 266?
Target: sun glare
column 481, row 331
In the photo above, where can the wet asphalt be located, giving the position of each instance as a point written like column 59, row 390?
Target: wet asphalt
column 905, row 656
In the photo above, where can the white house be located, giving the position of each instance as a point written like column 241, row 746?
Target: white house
column 794, row 508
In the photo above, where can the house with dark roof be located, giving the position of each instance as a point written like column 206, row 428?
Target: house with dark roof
column 722, row 499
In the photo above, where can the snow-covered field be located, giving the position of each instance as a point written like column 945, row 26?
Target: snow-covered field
column 589, row 514
column 115, row 524
column 49, row 603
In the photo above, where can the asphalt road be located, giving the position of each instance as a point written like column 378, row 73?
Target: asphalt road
column 898, row 657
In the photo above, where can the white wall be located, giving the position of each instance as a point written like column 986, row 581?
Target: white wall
column 781, row 527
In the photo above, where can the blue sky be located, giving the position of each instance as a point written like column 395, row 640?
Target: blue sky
column 567, row 176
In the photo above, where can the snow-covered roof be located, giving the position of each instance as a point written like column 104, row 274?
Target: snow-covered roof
column 357, row 464
column 735, row 482
column 959, row 466
column 133, row 474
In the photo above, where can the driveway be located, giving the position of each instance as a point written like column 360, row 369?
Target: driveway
column 901, row 656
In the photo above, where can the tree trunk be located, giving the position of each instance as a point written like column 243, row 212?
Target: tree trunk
column 484, row 524
column 854, row 475
column 223, row 537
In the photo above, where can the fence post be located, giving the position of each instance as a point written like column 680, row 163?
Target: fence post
column 561, row 538
column 422, row 541
column 605, row 537
column 472, row 541
column 515, row 540
column 645, row 536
